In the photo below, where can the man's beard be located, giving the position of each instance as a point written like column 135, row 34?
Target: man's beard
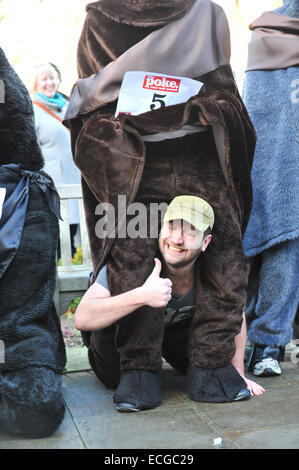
column 184, row 262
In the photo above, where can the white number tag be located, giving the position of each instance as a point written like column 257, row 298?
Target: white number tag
column 2, row 197
column 144, row 91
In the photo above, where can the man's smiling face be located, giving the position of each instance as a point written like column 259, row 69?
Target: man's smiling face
column 181, row 243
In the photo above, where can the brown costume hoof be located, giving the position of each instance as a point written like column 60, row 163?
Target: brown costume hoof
column 221, row 385
column 138, row 390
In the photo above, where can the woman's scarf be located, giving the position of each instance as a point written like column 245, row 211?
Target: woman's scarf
column 58, row 99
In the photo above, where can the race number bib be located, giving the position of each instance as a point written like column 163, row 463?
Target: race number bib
column 2, row 197
column 141, row 92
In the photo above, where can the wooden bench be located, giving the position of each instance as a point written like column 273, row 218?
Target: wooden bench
column 71, row 280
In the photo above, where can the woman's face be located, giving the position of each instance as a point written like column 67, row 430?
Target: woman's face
column 47, row 82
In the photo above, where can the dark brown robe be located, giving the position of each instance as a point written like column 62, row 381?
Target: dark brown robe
column 113, row 159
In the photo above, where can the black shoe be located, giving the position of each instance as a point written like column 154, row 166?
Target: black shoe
column 138, row 390
column 127, row 407
column 243, row 394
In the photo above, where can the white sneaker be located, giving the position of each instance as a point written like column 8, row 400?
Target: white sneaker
column 267, row 367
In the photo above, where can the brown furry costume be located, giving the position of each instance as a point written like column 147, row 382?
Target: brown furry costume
column 114, row 160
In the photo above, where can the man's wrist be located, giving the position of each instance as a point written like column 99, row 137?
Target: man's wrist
column 139, row 295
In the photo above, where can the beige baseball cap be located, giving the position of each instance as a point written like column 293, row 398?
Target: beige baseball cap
column 193, row 209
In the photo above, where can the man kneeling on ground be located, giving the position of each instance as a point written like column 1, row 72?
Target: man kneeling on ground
column 185, row 234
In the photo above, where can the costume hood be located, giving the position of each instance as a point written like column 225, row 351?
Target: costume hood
column 274, row 42
column 142, row 12
column 206, row 53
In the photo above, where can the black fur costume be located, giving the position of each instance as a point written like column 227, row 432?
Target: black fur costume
column 31, row 404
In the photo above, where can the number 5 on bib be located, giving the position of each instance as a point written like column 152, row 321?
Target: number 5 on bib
column 144, row 91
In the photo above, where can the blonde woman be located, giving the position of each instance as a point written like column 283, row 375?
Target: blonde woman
column 54, row 138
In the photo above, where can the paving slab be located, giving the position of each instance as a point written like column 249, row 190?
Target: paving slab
column 275, row 437
column 77, row 359
column 44, row 444
column 270, row 421
column 164, row 429
column 278, row 406
column 66, row 437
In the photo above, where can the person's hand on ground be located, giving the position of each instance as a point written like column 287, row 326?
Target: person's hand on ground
column 254, row 387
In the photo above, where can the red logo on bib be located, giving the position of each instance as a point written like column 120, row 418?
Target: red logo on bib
column 154, row 82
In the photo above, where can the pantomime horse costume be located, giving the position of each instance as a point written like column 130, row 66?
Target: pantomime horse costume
column 33, row 356
column 116, row 157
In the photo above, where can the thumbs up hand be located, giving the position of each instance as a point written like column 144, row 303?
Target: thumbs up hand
column 156, row 291
column 157, row 268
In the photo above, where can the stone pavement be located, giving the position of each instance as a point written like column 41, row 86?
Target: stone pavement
column 270, row 421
